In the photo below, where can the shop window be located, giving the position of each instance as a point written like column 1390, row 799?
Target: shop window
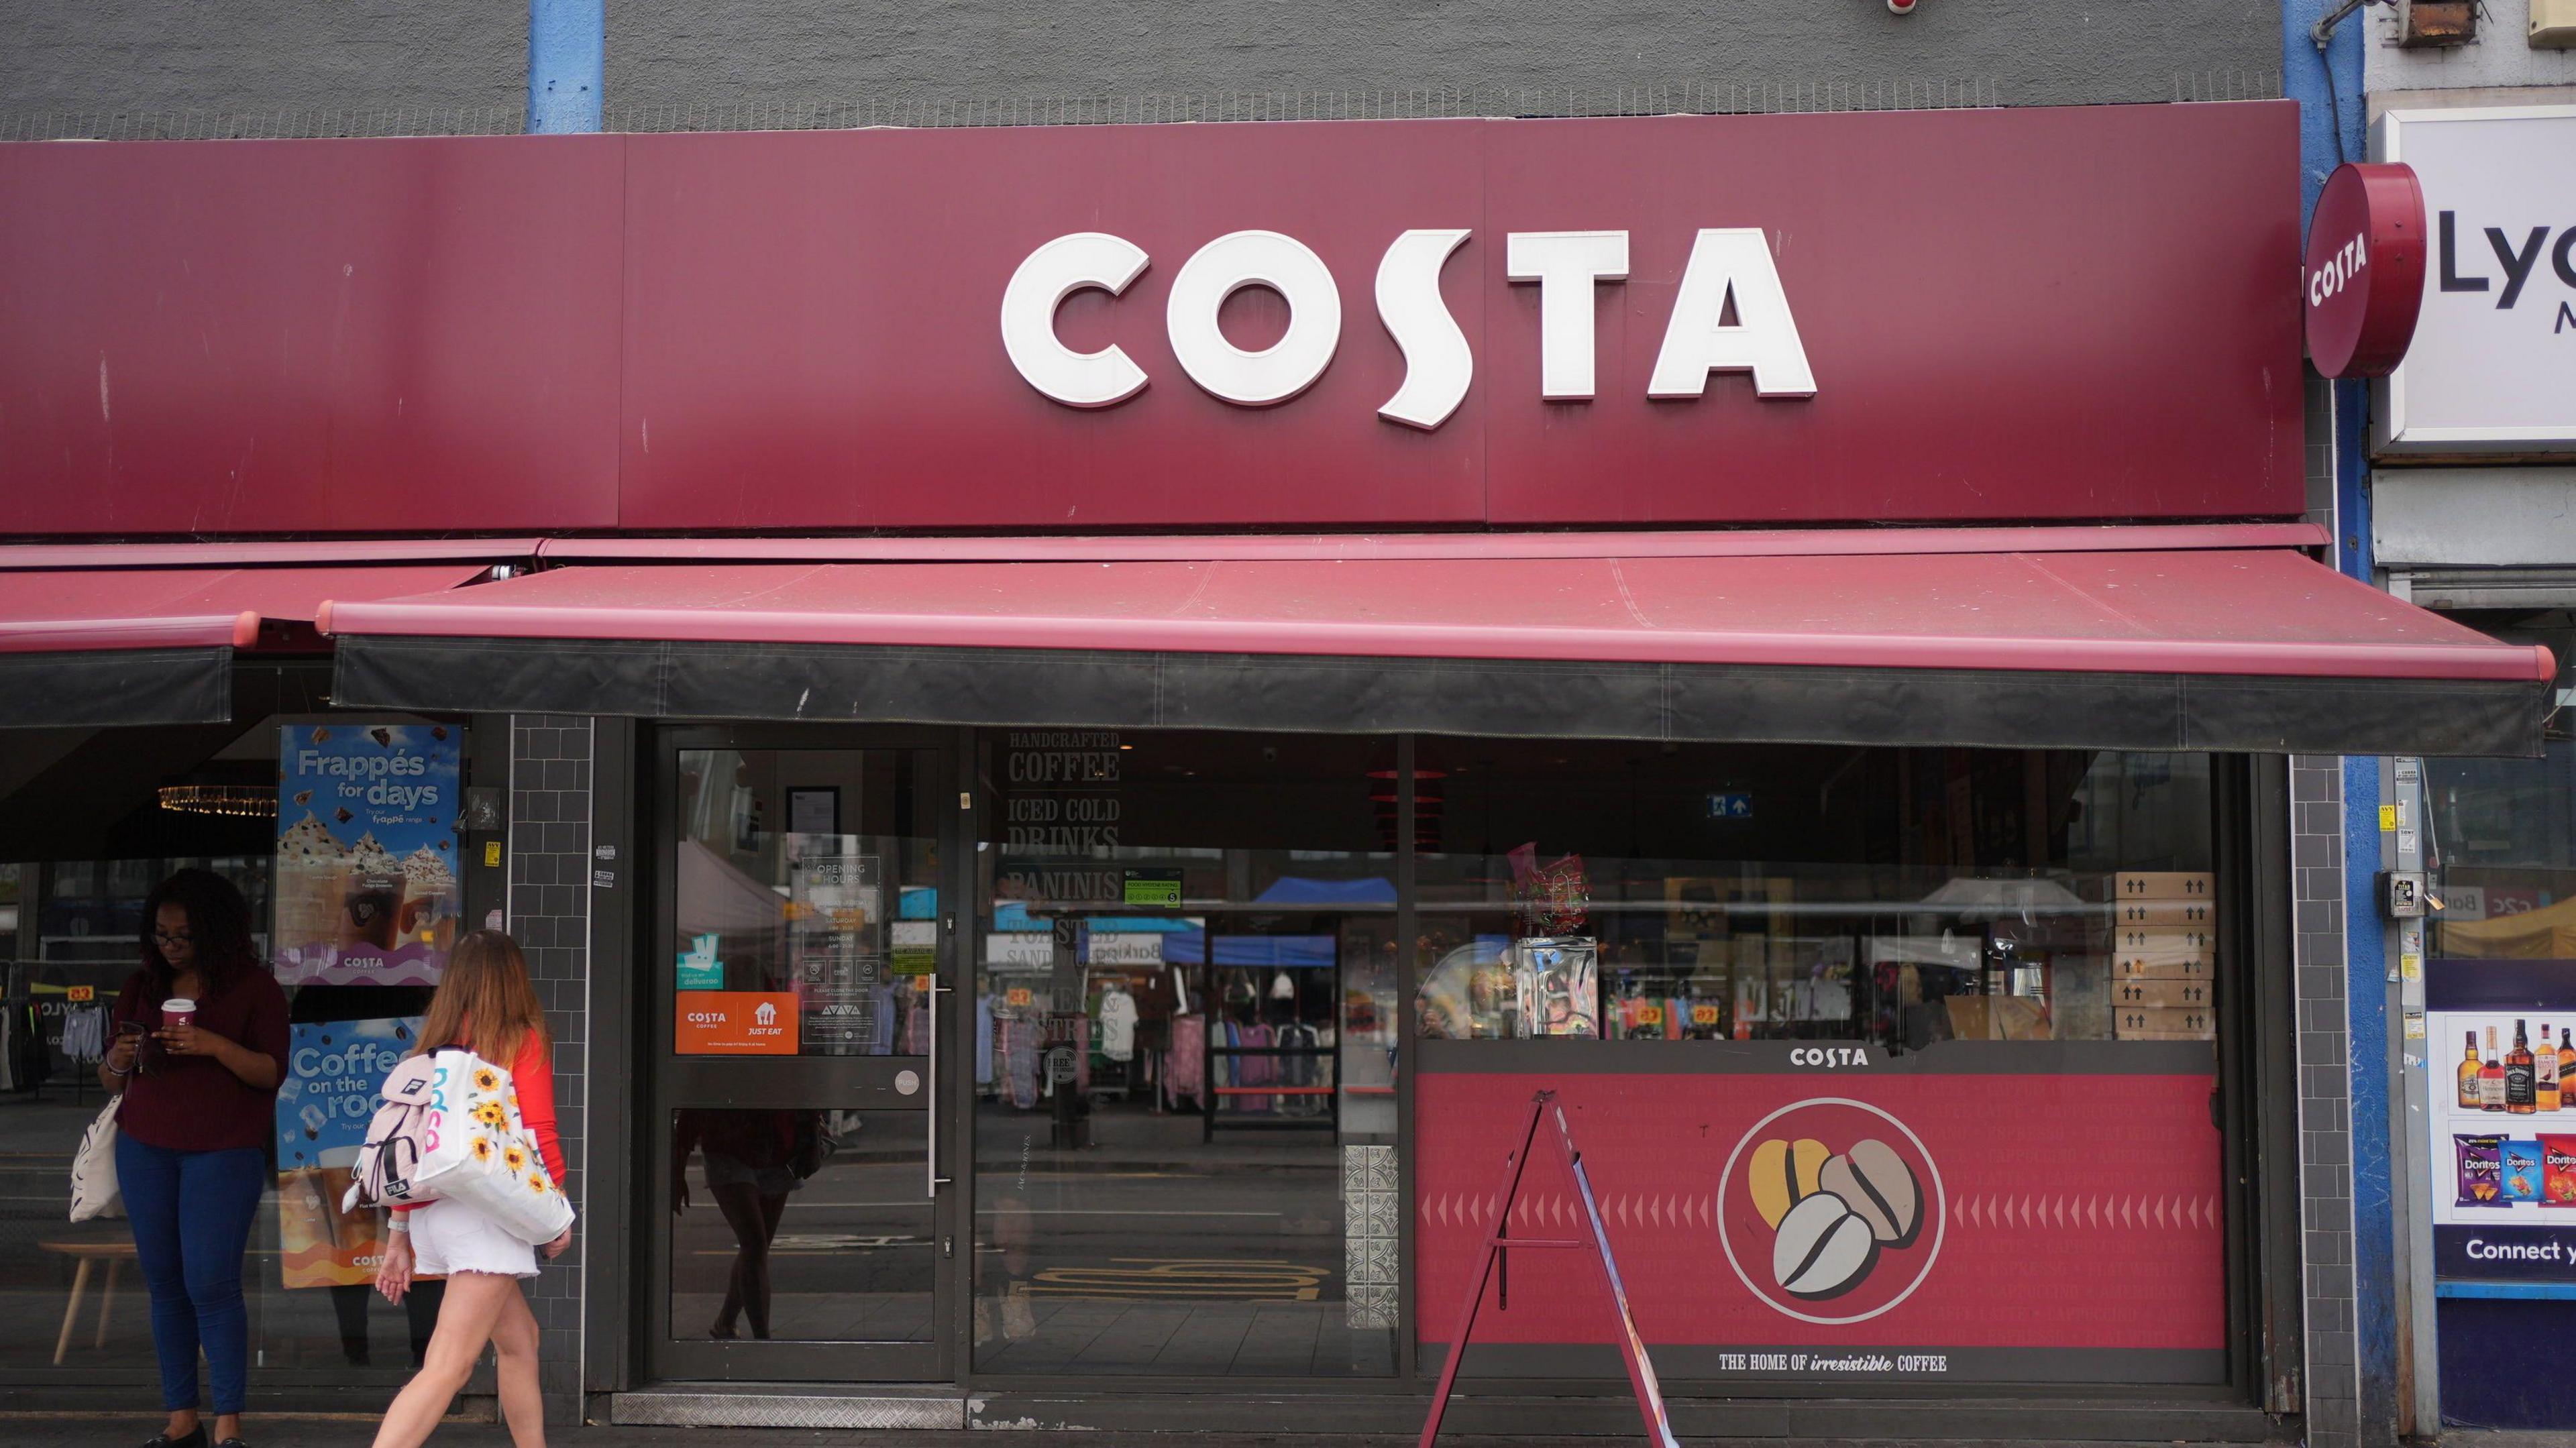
column 1899, row 897
column 92, row 823
column 2498, row 840
column 1186, row 1001
column 2500, row 834
column 1828, row 1026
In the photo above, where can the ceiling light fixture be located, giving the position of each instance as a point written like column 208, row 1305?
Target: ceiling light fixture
column 239, row 801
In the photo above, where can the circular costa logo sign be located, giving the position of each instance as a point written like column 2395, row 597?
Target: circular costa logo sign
column 2365, row 272
column 1831, row 1210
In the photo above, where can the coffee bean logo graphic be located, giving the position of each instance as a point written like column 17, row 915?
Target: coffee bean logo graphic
column 1824, row 1249
column 1879, row 1188
column 1827, row 1201
column 1785, row 1173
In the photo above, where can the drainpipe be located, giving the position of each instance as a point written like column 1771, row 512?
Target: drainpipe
column 567, row 61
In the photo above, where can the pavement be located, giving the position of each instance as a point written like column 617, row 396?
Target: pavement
column 282, row 1431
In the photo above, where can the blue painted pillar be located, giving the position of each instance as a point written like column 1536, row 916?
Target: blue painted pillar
column 567, row 65
column 2332, row 116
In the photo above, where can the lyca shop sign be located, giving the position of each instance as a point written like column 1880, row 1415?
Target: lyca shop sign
column 2492, row 367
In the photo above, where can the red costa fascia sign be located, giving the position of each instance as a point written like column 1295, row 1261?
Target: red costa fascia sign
column 2365, row 269
column 1643, row 321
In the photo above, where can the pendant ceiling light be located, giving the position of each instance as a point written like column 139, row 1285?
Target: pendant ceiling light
column 240, row 801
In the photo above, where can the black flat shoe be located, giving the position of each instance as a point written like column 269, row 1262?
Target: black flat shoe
column 193, row 1438
column 232, row 1443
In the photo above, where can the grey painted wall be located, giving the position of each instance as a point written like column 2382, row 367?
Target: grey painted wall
column 959, row 54
column 262, row 66
column 326, row 67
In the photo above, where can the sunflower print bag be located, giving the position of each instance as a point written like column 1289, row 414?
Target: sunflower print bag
column 450, row 1131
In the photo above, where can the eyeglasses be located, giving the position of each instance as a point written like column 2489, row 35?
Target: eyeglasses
column 164, row 937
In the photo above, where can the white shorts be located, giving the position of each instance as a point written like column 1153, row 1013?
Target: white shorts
column 451, row 1237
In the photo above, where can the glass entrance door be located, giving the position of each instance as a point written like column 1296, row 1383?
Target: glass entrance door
column 801, row 1227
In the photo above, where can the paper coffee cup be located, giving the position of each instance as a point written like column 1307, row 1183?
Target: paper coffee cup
column 178, row 1011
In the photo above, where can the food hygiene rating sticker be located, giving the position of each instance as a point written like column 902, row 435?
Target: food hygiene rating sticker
column 1831, row 1201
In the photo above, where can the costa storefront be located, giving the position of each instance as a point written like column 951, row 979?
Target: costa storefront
column 1089, row 712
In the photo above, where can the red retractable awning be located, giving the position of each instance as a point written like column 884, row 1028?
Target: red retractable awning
column 154, row 645
column 44, row 611
column 2231, row 612
column 2223, row 648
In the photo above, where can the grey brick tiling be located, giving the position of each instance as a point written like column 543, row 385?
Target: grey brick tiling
column 2325, row 1108
column 549, row 913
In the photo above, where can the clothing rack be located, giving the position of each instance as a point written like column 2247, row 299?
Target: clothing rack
column 1285, row 1087
column 39, row 996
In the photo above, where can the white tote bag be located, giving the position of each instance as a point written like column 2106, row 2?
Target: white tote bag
column 94, row 1192
column 474, row 1148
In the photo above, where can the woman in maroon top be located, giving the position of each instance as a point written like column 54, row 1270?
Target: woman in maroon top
column 193, row 1124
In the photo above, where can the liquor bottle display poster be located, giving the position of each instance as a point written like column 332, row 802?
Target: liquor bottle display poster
column 366, row 883
column 1818, row 1216
column 2501, row 1049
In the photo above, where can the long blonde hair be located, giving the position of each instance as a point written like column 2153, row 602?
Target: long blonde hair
column 484, row 1001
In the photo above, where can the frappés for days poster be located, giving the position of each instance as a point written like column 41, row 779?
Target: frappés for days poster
column 366, row 888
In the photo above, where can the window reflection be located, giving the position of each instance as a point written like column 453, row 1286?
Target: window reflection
column 1902, row 897
column 90, row 837
column 800, row 1224
column 2502, row 832
column 806, row 887
column 1186, row 1015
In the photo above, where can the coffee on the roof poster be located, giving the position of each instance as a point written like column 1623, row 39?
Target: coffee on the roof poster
column 366, row 882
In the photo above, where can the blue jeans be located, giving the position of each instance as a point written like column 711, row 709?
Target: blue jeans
column 192, row 1212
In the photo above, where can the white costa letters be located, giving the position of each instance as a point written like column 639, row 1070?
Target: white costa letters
column 1566, row 265
column 1255, row 259
column 1763, row 339
column 1730, row 314
column 1438, row 364
column 2341, row 268
column 1052, row 273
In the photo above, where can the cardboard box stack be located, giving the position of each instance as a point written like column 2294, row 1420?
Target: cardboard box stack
column 2164, row 953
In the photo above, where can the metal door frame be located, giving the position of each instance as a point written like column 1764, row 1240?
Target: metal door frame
column 797, row 1081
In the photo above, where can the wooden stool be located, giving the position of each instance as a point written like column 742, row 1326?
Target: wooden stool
column 88, row 1255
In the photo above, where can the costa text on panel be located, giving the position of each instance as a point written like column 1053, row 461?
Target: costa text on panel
column 1730, row 314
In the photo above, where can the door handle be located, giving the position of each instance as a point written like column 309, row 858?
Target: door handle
column 930, row 1084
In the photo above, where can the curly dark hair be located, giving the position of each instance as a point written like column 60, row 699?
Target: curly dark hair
column 219, row 919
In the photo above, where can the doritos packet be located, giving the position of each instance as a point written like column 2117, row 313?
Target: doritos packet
column 2521, row 1171
column 2558, row 1171
column 2481, row 1169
